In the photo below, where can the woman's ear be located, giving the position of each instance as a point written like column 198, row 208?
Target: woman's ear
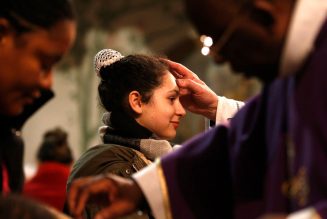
column 135, row 101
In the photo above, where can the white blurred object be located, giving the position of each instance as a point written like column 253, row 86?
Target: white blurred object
column 29, row 170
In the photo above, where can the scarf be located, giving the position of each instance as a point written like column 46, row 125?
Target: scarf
column 131, row 134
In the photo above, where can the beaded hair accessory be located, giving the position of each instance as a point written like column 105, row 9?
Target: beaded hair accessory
column 105, row 58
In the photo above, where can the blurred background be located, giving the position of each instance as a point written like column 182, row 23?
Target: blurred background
column 158, row 27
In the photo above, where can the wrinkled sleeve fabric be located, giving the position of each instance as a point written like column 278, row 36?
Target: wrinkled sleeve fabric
column 226, row 109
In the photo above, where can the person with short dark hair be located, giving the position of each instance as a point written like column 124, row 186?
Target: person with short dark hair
column 55, row 147
column 55, row 158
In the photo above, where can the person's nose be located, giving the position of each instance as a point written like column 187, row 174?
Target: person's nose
column 46, row 80
column 180, row 111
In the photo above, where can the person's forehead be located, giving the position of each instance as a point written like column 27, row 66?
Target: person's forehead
column 52, row 42
column 63, row 33
column 168, row 82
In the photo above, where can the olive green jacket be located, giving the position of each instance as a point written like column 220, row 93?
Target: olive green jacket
column 108, row 158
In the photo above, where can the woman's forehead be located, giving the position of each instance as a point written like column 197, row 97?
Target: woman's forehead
column 53, row 42
column 168, row 82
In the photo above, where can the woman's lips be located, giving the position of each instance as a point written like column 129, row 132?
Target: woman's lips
column 175, row 124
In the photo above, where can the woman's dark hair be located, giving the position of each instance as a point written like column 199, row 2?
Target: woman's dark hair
column 55, row 147
column 134, row 72
column 26, row 14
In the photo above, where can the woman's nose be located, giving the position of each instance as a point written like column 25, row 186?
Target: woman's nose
column 46, row 80
column 180, row 109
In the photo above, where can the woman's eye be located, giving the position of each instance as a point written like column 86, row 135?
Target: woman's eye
column 172, row 99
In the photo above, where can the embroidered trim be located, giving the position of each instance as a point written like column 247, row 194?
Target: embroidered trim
column 164, row 189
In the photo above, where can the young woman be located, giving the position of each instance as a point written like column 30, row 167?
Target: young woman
column 141, row 98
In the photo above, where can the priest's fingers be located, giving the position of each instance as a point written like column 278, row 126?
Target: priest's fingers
column 180, row 71
column 190, row 86
column 83, row 189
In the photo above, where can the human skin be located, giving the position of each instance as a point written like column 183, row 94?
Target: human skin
column 26, row 63
column 162, row 114
column 253, row 48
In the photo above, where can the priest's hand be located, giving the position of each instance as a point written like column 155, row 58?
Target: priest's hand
column 196, row 96
column 119, row 196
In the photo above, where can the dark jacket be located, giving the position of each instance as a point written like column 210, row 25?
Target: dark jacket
column 12, row 145
column 107, row 158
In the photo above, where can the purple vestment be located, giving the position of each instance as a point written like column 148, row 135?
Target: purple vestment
column 271, row 159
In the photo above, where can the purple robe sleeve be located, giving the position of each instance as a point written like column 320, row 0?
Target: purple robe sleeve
column 198, row 177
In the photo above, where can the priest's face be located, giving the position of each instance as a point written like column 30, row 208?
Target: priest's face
column 245, row 33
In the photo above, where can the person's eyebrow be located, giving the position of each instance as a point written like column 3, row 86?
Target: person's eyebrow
column 174, row 91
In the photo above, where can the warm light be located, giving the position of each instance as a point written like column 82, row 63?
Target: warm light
column 207, row 41
column 205, row 51
column 202, row 38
